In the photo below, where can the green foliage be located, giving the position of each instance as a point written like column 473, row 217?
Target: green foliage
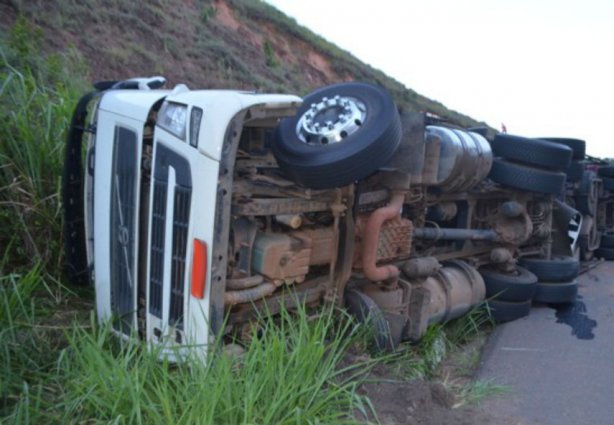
column 475, row 392
column 208, row 13
column 269, row 54
column 291, row 373
column 37, row 95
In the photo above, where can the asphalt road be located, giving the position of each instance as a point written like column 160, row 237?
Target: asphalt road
column 557, row 364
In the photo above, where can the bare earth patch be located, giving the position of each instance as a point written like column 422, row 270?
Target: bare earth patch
column 419, row 402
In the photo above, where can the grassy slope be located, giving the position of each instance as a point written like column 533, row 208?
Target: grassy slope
column 55, row 366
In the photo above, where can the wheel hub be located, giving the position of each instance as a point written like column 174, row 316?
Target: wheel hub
column 331, row 120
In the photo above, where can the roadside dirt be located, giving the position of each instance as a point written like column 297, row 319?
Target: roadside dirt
column 419, row 402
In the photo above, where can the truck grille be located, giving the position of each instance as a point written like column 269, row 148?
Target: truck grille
column 182, row 189
column 158, row 223
column 122, row 229
column 181, row 220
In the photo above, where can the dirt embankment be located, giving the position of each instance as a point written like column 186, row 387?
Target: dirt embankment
column 213, row 44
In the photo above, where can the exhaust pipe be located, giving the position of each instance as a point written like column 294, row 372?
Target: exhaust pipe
column 372, row 232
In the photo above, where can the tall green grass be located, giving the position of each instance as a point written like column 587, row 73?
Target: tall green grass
column 291, row 373
column 37, row 94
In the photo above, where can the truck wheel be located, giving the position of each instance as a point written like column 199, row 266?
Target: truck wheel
column 585, row 205
column 577, row 146
column 608, row 184
column 342, row 133
column 606, row 253
column 606, row 171
column 607, row 240
column 535, row 152
column 506, row 311
column 575, row 172
column 558, row 269
column 588, row 183
column 526, row 178
column 556, row 292
column 509, row 287
column 73, row 231
column 366, row 311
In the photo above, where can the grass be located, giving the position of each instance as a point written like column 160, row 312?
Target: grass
column 291, row 373
column 475, row 392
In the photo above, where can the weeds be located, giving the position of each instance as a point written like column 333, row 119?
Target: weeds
column 476, row 391
column 291, row 373
column 36, row 98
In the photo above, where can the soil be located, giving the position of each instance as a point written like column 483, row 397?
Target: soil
column 419, row 402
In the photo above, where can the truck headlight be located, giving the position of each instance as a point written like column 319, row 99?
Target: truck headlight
column 173, row 118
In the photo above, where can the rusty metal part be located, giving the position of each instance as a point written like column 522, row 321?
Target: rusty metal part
column 392, row 299
column 244, row 233
column 322, row 243
column 281, row 257
column 279, row 206
column 452, row 292
column 439, row 233
column 501, row 255
column 346, row 244
column 394, row 241
column 455, row 160
column 444, row 211
column 244, row 282
column 512, row 209
column 371, row 238
column 249, row 295
column 293, row 221
column 513, row 230
column 421, row 267
column 308, row 292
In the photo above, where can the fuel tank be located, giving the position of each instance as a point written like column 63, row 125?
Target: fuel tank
column 455, row 160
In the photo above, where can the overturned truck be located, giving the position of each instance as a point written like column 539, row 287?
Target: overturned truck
column 194, row 211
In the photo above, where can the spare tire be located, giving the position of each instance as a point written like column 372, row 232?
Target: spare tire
column 509, row 287
column 540, row 153
column 526, row 178
column 606, row 171
column 575, row 172
column 506, row 311
column 556, row 292
column 558, row 269
column 577, row 146
column 342, row 133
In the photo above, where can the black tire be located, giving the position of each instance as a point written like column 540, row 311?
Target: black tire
column 606, row 253
column 606, row 171
column 558, row 269
column 509, row 287
column 556, row 292
column 584, row 204
column 368, row 312
column 526, row 178
column 575, row 171
column 73, row 231
column 535, row 152
column 577, row 146
column 587, row 183
column 607, row 240
column 356, row 156
column 505, row 311
column 608, row 184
